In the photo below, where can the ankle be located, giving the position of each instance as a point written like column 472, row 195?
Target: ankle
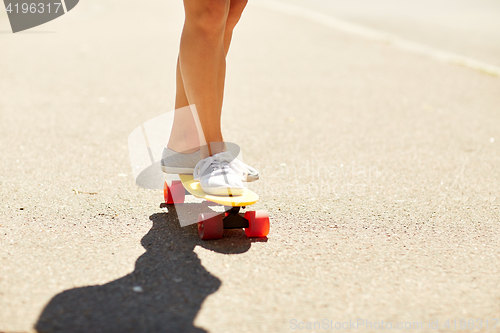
column 212, row 149
column 183, row 147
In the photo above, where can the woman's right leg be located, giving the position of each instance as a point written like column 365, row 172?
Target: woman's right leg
column 184, row 136
column 202, row 63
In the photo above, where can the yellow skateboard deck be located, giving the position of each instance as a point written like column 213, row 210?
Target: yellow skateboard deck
column 193, row 187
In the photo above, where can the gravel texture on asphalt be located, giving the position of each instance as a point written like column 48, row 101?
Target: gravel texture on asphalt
column 379, row 171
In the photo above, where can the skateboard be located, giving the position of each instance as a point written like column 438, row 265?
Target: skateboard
column 211, row 225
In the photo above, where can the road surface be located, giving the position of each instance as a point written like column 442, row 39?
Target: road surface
column 379, row 171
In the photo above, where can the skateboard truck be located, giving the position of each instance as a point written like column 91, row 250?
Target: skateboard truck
column 211, row 225
column 234, row 219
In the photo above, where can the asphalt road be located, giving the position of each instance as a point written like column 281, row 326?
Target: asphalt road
column 468, row 28
column 380, row 174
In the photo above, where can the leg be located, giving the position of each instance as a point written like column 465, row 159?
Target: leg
column 235, row 10
column 201, row 70
column 202, row 61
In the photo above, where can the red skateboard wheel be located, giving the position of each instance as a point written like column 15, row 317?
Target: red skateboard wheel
column 258, row 223
column 210, row 226
column 174, row 193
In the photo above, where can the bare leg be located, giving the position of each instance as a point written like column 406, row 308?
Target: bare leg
column 201, row 71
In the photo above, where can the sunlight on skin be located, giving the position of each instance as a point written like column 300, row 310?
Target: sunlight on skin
column 201, row 70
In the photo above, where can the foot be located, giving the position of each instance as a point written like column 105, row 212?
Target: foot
column 246, row 172
column 217, row 176
column 179, row 163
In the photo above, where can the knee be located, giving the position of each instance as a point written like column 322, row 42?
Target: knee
column 207, row 16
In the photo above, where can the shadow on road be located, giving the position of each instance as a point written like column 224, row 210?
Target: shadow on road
column 169, row 279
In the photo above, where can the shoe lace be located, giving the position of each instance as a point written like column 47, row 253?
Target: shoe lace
column 217, row 161
column 241, row 168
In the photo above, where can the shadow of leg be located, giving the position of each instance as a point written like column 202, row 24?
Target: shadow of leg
column 163, row 294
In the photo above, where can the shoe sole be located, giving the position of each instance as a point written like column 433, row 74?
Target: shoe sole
column 190, row 171
column 178, row 171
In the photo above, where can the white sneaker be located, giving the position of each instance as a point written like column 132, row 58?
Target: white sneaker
column 174, row 162
column 217, row 176
column 180, row 163
column 246, row 172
